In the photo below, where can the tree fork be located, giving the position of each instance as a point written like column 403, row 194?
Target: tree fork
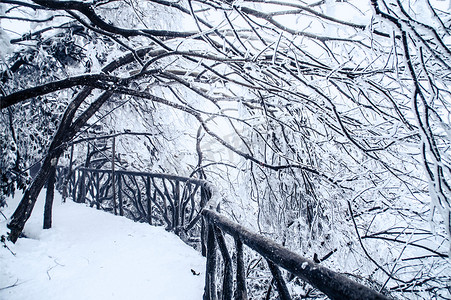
column 65, row 132
column 26, row 205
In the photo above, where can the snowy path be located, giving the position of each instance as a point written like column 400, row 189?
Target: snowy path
column 89, row 254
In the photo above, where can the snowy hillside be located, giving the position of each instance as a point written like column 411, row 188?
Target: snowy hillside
column 89, row 254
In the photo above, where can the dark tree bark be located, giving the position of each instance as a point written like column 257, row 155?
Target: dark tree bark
column 227, row 284
column 26, row 205
column 49, row 198
column 210, row 274
column 96, row 80
column 284, row 294
column 241, row 292
column 66, row 131
column 334, row 285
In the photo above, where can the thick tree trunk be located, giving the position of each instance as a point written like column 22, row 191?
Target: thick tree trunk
column 26, row 205
column 49, row 198
column 66, row 131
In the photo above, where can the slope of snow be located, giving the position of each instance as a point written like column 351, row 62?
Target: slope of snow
column 89, row 254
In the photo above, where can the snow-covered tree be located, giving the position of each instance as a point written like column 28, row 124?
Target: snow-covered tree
column 327, row 119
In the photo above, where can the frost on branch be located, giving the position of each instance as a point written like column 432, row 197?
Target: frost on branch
column 327, row 122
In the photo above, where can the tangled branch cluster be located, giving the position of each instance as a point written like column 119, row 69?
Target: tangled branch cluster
column 331, row 116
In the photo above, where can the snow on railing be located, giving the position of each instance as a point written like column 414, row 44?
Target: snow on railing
column 179, row 203
column 334, row 285
column 167, row 200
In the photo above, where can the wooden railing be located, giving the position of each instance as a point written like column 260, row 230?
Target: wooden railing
column 172, row 201
column 334, row 285
column 184, row 205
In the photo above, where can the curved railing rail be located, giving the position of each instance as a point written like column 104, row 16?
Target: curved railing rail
column 333, row 284
column 185, row 205
column 167, row 200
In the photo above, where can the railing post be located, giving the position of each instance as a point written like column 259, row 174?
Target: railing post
column 74, row 182
column 284, row 294
column 241, row 292
column 119, row 194
column 113, row 176
column 204, row 197
column 149, row 201
column 331, row 283
column 210, row 273
column 203, row 233
column 59, row 181
column 176, row 209
column 96, row 177
column 227, row 284
column 81, row 192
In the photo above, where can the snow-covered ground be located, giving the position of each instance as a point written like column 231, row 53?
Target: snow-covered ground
column 90, row 254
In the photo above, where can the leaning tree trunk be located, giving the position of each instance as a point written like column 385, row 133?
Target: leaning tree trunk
column 49, row 198
column 63, row 134
column 66, row 131
column 26, row 205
